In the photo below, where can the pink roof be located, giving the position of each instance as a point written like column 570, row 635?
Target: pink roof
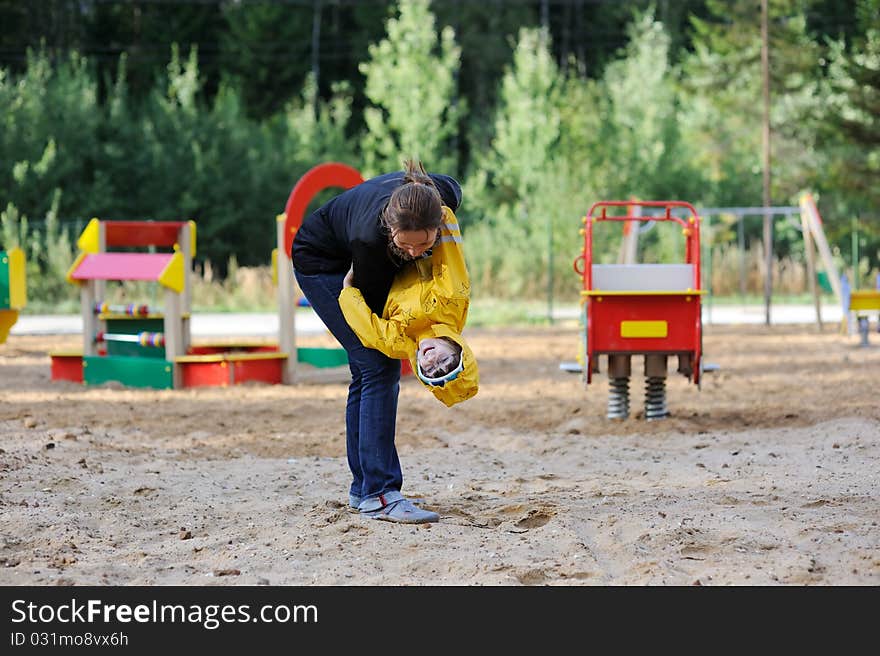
column 122, row 266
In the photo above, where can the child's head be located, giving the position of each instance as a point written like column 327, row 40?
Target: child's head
column 446, row 365
column 437, row 358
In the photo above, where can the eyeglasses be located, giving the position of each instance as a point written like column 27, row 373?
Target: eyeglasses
column 416, row 246
column 440, row 381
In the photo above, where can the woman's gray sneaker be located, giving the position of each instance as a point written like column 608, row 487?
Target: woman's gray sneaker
column 394, row 507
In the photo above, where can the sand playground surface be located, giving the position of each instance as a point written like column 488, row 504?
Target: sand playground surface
column 767, row 475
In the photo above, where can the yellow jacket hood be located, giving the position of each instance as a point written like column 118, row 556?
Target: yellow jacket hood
column 467, row 383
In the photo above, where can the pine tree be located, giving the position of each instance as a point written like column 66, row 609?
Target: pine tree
column 724, row 79
column 853, row 117
column 411, row 83
column 515, row 188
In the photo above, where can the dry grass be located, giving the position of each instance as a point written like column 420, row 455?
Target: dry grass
column 730, row 270
column 245, row 289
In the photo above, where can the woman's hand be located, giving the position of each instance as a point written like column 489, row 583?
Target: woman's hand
column 348, row 281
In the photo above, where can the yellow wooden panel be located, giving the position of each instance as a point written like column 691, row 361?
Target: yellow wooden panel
column 643, row 329
column 74, row 267
column 192, row 238
column 7, row 321
column 864, row 300
column 90, row 239
column 17, row 284
column 172, row 276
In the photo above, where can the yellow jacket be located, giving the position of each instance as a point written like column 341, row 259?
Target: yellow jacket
column 429, row 298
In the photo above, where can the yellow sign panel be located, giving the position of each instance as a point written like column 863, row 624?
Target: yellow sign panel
column 643, row 329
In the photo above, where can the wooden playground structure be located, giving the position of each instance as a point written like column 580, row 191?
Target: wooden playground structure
column 143, row 346
column 859, row 306
column 13, row 289
column 136, row 345
column 323, row 176
column 630, row 309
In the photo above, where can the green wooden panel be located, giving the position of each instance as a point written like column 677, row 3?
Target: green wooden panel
column 134, row 326
column 4, row 281
column 133, row 372
column 322, row 357
column 130, row 349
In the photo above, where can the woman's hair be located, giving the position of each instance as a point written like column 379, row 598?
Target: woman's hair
column 414, row 205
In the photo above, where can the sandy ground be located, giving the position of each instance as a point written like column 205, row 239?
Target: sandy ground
column 767, row 475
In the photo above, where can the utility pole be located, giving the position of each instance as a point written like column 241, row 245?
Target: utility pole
column 545, row 32
column 316, row 51
column 768, row 219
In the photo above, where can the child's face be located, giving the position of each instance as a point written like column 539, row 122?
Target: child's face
column 436, row 355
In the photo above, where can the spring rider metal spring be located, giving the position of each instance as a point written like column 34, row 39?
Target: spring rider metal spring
column 655, row 398
column 618, row 398
column 618, row 392
column 655, row 387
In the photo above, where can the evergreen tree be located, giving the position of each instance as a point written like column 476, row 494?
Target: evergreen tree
column 411, row 83
column 267, row 51
column 853, row 117
column 48, row 134
column 641, row 150
column 514, row 190
column 724, row 80
column 144, row 32
column 645, row 156
column 317, row 130
column 485, row 31
column 851, row 131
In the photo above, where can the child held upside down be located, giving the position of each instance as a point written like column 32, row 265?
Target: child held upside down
column 423, row 317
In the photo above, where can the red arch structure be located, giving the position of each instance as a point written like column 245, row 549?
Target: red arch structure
column 315, row 180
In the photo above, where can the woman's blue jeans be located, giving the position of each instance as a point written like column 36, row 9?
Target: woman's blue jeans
column 371, row 411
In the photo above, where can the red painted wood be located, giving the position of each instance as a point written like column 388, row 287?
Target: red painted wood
column 122, row 266
column 205, row 374
column 267, row 371
column 67, row 367
column 315, row 180
column 120, row 234
column 681, row 317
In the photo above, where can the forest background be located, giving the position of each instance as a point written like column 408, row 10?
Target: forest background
column 211, row 110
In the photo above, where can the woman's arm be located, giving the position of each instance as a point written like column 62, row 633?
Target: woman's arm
column 384, row 335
